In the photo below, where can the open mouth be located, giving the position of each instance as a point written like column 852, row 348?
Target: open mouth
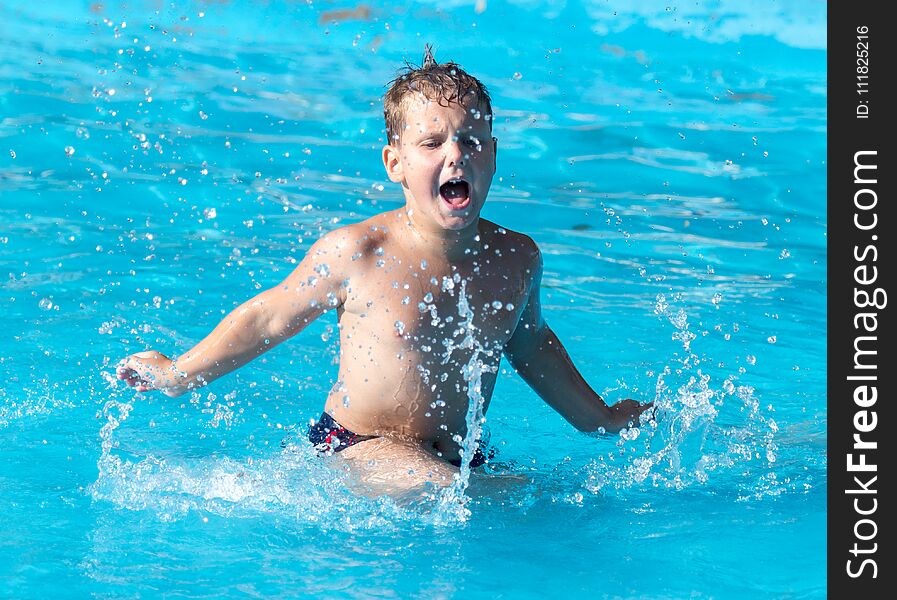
column 456, row 193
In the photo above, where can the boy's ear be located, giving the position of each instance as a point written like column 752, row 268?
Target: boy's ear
column 392, row 162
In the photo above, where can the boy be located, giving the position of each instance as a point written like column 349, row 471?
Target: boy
column 419, row 292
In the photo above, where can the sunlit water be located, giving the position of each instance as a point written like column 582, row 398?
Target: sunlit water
column 160, row 165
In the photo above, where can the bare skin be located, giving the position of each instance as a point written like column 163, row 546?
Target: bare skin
column 395, row 281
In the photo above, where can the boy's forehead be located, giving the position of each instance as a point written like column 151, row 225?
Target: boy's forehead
column 423, row 113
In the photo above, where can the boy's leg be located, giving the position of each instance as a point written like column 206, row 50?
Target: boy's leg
column 393, row 464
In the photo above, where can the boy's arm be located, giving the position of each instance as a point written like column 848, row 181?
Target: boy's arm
column 251, row 329
column 538, row 356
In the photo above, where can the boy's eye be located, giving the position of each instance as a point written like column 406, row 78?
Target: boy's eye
column 431, row 144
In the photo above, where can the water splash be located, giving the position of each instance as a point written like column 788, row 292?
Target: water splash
column 40, row 396
column 294, row 483
column 452, row 502
column 698, row 428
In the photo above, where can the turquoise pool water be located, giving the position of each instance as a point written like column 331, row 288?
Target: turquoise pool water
column 159, row 164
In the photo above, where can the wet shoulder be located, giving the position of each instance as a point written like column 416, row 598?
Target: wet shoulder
column 517, row 249
column 355, row 244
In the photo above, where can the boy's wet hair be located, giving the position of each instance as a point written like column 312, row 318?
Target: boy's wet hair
column 444, row 83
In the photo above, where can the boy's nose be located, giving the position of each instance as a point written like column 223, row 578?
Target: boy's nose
column 455, row 154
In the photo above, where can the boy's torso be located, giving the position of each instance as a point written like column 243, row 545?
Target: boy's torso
column 411, row 323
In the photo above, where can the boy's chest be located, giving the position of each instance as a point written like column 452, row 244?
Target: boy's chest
column 433, row 308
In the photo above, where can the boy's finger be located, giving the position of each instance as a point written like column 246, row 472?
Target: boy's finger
column 126, row 365
column 133, row 379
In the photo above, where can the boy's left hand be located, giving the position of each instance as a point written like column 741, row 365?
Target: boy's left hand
column 626, row 413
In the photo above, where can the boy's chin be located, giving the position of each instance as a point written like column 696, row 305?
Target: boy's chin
column 441, row 216
column 458, row 221
column 457, row 225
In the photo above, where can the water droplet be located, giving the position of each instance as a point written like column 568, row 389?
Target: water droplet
column 496, row 304
column 518, row 76
column 751, row 359
column 771, row 339
column 45, row 304
column 209, row 213
column 509, row 307
column 12, row 153
column 400, row 327
column 428, row 297
column 69, row 150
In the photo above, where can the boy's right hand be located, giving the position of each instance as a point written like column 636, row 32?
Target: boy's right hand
column 146, row 371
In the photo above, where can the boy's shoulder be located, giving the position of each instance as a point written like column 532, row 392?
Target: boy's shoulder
column 509, row 240
column 363, row 236
column 360, row 242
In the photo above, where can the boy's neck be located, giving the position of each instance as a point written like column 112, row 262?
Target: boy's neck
column 451, row 244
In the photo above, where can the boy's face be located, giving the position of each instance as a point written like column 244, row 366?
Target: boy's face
column 445, row 160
